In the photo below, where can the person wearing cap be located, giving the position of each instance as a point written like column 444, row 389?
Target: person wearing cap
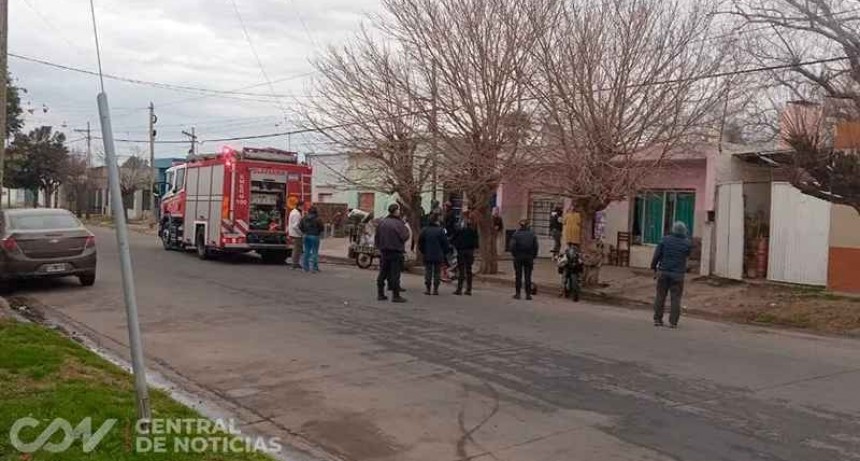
column 669, row 265
column 391, row 237
column 524, row 248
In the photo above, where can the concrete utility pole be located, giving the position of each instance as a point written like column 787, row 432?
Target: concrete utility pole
column 89, row 138
column 89, row 163
column 193, row 135
column 4, row 35
column 152, row 120
column 134, row 340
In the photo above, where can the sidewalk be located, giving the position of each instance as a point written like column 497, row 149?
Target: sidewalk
column 627, row 285
column 755, row 301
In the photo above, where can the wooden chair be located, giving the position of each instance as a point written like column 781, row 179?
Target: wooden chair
column 622, row 249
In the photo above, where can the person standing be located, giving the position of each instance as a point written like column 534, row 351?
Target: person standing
column 312, row 228
column 390, row 239
column 433, row 244
column 556, row 224
column 498, row 230
column 669, row 265
column 524, row 249
column 572, row 227
column 449, row 221
column 295, row 234
column 466, row 241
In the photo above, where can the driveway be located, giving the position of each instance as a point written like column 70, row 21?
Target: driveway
column 486, row 377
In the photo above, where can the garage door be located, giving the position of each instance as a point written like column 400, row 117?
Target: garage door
column 799, row 236
column 729, row 255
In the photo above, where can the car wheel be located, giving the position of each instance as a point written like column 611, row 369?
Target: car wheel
column 87, row 280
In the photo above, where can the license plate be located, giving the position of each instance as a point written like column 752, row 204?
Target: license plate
column 53, row 268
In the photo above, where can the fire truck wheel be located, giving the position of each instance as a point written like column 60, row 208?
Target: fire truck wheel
column 274, row 257
column 200, row 243
column 165, row 240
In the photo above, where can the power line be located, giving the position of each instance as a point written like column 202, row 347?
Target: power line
column 257, row 57
column 532, row 98
column 166, row 86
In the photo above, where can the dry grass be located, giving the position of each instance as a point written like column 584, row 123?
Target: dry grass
column 794, row 307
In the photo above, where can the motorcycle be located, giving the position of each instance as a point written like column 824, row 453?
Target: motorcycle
column 571, row 266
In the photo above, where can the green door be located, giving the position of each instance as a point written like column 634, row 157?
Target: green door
column 653, row 231
column 685, row 209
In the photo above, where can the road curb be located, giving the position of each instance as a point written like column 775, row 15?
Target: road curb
column 161, row 375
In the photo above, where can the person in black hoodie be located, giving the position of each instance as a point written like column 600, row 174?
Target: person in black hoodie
column 524, row 249
column 433, row 244
column 466, row 241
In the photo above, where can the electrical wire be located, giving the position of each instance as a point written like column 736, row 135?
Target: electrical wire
column 532, row 98
column 165, row 86
column 98, row 47
column 257, row 57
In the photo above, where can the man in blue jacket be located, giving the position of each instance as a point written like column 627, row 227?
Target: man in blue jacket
column 670, row 265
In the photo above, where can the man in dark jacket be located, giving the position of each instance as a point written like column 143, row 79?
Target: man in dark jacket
column 466, row 241
column 524, row 249
column 433, row 244
column 556, row 225
column 312, row 228
column 390, row 239
column 670, row 265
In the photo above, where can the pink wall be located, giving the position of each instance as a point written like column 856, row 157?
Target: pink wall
column 689, row 175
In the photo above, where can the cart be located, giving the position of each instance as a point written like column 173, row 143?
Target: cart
column 361, row 247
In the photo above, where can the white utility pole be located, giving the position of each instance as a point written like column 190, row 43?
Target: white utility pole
column 4, row 35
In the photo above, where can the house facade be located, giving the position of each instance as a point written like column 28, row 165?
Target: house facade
column 766, row 228
column 333, row 182
column 677, row 191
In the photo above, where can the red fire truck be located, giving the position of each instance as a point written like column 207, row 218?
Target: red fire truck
column 235, row 201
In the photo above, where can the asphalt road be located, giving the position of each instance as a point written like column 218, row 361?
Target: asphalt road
column 483, row 377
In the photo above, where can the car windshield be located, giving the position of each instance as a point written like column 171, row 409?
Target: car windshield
column 43, row 221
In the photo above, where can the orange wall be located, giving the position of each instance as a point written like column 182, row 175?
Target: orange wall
column 844, row 270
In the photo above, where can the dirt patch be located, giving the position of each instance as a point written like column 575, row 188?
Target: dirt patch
column 787, row 306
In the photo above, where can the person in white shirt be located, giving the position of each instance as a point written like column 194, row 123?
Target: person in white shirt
column 296, row 234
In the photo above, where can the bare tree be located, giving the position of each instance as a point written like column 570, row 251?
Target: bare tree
column 620, row 86
column 363, row 105
column 794, row 33
column 474, row 58
column 134, row 175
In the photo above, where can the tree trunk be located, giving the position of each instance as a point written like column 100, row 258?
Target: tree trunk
column 483, row 215
column 591, row 253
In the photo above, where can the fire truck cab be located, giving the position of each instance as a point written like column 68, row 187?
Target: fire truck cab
column 235, row 201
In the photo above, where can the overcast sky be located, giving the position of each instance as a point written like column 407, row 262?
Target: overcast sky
column 197, row 43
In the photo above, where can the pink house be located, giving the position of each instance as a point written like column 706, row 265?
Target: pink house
column 681, row 190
